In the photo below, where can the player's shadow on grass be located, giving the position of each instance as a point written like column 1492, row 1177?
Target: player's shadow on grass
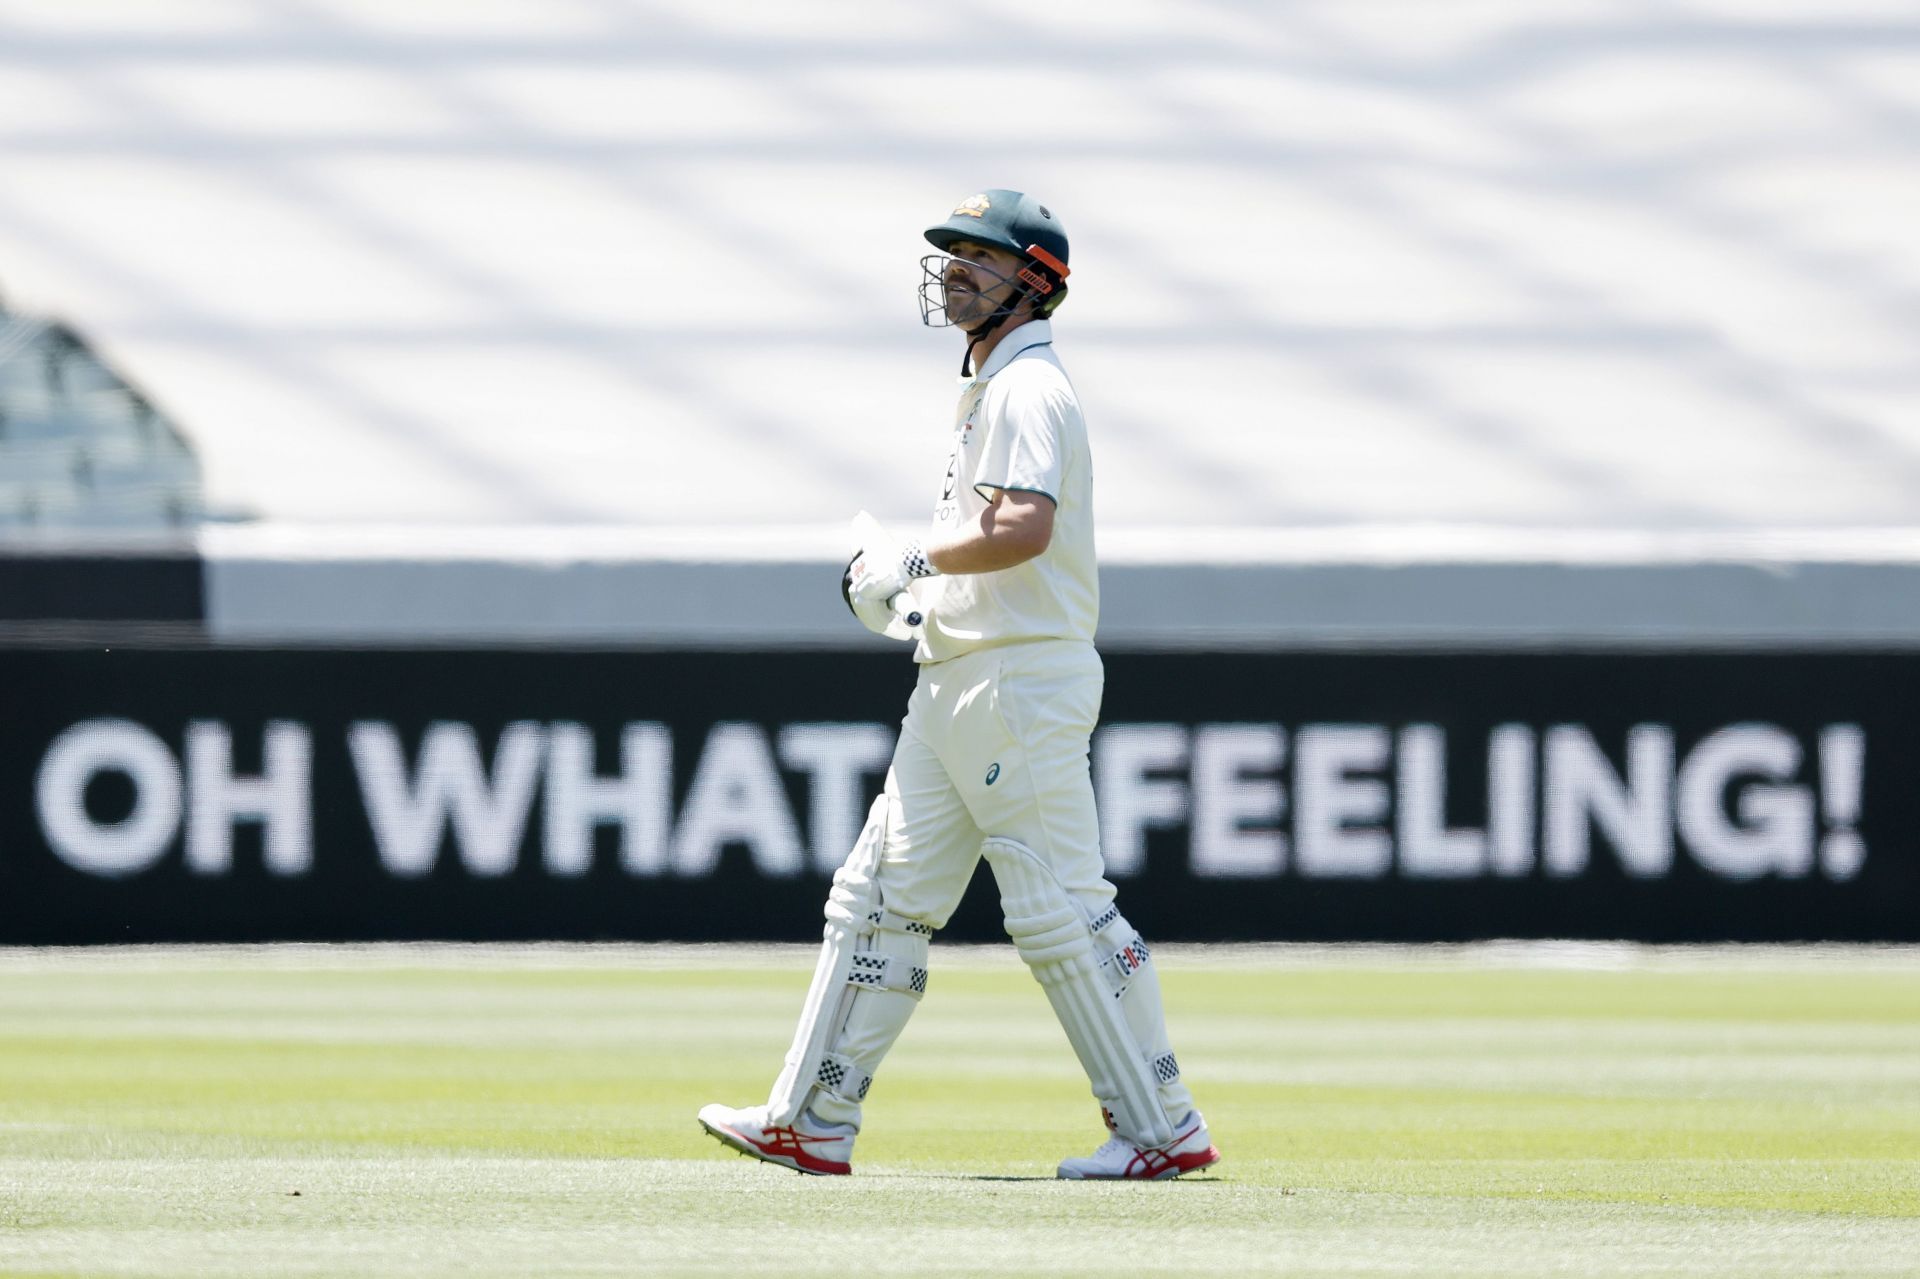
column 984, row 1177
column 1185, row 1181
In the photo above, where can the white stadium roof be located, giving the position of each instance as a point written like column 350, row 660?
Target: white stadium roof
column 1570, row 264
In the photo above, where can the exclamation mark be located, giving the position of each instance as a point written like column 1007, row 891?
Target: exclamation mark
column 1843, row 757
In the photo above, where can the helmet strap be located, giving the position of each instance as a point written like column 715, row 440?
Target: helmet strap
column 987, row 330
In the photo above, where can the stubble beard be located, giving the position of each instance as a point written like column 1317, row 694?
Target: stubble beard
column 966, row 311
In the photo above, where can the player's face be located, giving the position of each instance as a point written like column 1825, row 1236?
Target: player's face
column 978, row 280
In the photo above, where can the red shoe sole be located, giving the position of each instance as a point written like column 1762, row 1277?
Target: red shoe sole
column 799, row 1162
column 1184, row 1164
column 1181, row 1165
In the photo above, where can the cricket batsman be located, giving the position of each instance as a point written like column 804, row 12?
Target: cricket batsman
column 1001, row 598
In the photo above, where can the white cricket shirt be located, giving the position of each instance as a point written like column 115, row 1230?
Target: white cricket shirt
column 1018, row 426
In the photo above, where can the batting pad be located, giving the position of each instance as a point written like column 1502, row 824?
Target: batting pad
column 1084, row 985
column 871, row 972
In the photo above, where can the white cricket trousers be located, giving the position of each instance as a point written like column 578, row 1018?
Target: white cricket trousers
column 995, row 743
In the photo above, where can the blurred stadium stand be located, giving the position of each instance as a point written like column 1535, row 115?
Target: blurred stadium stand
column 80, row 450
column 1570, row 264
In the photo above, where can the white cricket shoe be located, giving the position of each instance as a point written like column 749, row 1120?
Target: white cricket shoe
column 824, row 1150
column 1120, row 1160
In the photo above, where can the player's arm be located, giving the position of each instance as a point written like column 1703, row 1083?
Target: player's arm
column 1016, row 526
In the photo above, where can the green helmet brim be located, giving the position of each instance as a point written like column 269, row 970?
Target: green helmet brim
column 1009, row 220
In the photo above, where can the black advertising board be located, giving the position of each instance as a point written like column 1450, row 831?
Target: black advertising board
column 208, row 794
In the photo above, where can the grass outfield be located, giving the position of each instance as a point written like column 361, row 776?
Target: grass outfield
column 391, row 1111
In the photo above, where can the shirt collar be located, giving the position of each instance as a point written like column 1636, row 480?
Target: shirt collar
column 1031, row 334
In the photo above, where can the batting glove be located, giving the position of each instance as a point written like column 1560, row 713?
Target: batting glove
column 875, row 613
column 879, row 571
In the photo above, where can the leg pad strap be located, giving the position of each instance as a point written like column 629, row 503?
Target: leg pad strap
column 841, row 1077
column 875, row 971
column 1125, row 951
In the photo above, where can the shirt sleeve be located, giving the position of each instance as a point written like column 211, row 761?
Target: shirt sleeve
column 1025, row 445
